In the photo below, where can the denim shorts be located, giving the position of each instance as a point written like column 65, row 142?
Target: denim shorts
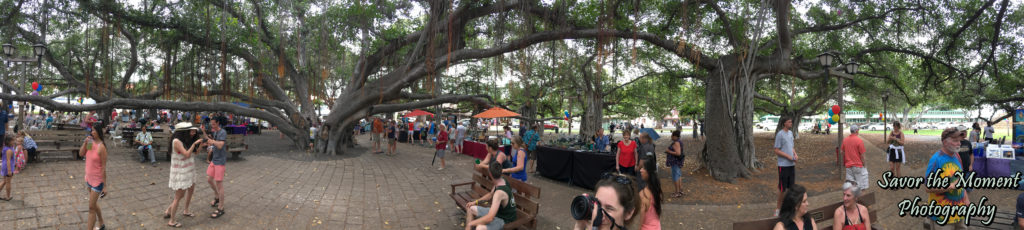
column 677, row 172
column 497, row 223
column 98, row 188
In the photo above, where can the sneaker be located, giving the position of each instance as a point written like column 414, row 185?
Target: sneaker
column 440, row 168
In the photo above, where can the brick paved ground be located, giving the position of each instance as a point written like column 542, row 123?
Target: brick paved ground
column 273, row 187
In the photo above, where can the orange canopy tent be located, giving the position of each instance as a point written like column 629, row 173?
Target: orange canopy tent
column 418, row 112
column 496, row 112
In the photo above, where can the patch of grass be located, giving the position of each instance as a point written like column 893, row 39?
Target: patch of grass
column 932, row 132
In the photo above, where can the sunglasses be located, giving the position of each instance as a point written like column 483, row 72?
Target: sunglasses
column 619, row 178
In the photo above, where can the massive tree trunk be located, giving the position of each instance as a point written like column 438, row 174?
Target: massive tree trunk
column 592, row 114
column 727, row 160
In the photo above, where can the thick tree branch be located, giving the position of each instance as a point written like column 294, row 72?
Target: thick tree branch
column 388, row 108
column 734, row 40
column 769, row 100
column 970, row 21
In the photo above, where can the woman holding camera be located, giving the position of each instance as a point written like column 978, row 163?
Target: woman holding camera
column 613, row 205
column 793, row 215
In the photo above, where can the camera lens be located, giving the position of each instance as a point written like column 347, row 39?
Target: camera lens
column 582, row 207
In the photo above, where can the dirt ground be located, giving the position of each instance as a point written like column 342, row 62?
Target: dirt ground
column 816, row 170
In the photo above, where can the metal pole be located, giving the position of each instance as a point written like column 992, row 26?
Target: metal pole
column 839, row 139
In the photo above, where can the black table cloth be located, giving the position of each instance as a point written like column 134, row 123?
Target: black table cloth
column 580, row 168
column 554, row 163
column 588, row 167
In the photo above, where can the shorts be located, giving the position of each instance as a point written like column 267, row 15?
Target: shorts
column 677, row 172
column 787, row 177
column 391, row 141
column 497, row 223
column 98, row 188
column 459, row 140
column 432, row 137
column 897, row 155
column 215, row 171
column 858, row 175
column 531, row 155
column 440, row 153
column 627, row 170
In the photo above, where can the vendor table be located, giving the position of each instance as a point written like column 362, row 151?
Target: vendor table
column 578, row 167
column 474, row 149
column 235, row 129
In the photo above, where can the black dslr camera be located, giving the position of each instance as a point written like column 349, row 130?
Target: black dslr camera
column 582, row 208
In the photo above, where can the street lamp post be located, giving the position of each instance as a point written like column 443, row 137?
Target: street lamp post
column 826, row 61
column 885, row 113
column 9, row 57
column 851, row 69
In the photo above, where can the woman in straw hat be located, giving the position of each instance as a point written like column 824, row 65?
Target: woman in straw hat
column 182, row 170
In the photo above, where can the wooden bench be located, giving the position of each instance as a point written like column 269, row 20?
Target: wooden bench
column 526, row 196
column 1001, row 220
column 820, row 215
column 58, row 144
column 236, row 145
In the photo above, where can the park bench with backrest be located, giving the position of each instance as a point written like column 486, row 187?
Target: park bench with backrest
column 58, row 144
column 236, row 145
column 527, row 198
column 820, row 215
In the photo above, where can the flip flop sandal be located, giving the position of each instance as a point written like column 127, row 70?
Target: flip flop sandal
column 175, row 225
column 167, row 216
column 188, row 214
column 215, row 202
column 217, row 214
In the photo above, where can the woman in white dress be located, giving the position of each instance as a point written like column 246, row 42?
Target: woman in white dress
column 182, row 170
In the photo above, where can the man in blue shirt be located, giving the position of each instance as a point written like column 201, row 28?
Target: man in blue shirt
column 600, row 140
column 531, row 138
column 4, row 117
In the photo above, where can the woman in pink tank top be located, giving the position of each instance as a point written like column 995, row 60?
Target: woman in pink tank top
column 650, row 195
column 95, row 153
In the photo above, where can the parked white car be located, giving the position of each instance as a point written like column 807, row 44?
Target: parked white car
column 878, row 127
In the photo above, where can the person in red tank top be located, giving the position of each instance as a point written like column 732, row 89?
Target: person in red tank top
column 626, row 157
column 851, row 216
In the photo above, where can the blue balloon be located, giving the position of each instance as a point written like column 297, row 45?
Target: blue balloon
column 830, row 113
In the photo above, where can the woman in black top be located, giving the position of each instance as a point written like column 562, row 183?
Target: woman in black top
column 793, row 215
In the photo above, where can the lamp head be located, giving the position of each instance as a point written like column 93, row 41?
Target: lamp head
column 825, row 59
column 38, row 50
column 8, row 49
column 851, row 67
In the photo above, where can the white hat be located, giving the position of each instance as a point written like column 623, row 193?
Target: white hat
column 854, row 128
column 184, row 126
column 961, row 128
